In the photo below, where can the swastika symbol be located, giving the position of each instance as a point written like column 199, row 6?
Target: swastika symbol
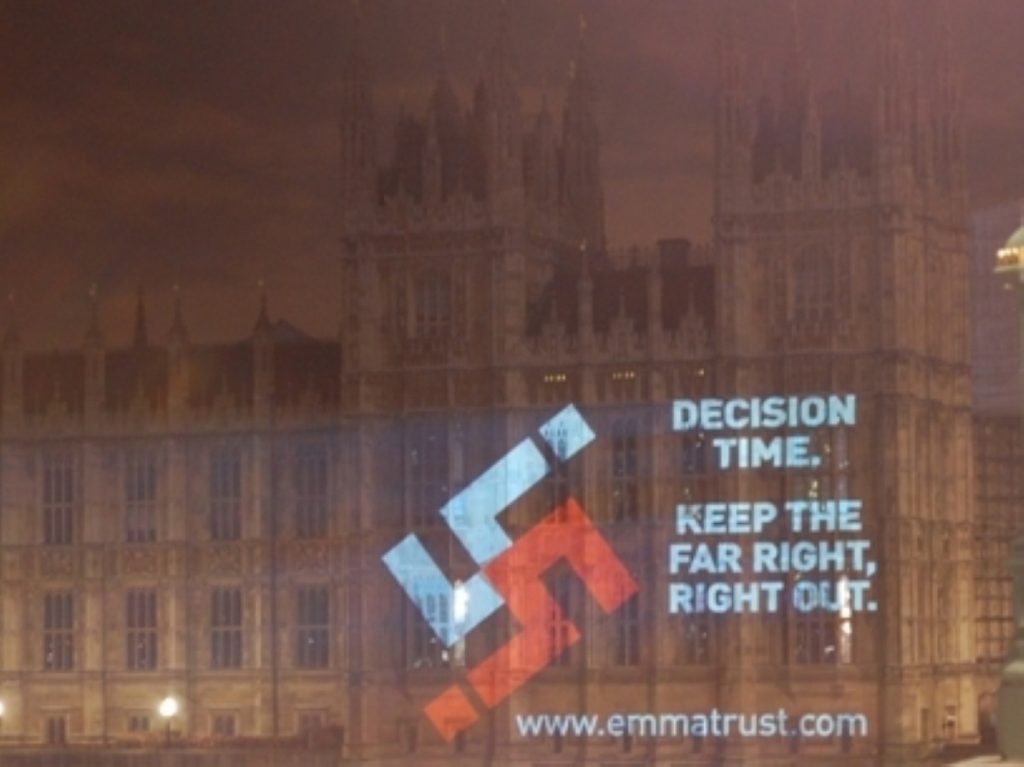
column 510, row 573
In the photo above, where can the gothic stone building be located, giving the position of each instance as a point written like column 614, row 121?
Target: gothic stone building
column 208, row 521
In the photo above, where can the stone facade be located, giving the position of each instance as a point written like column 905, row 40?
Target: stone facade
column 207, row 521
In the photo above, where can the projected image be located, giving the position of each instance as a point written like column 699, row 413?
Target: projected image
column 468, row 382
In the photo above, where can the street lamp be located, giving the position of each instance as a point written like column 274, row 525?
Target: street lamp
column 168, row 709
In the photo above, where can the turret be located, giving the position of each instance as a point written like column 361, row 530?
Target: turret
column 95, row 362
column 732, row 132
column 263, row 361
column 586, row 299
column 948, row 145
column 358, row 133
column 892, row 110
column 498, row 123
column 541, row 166
column 177, row 371
column 13, row 372
column 140, row 339
column 582, row 191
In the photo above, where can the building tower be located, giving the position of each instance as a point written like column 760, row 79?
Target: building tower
column 1010, row 266
column 841, row 245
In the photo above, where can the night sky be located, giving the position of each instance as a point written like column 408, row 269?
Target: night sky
column 195, row 142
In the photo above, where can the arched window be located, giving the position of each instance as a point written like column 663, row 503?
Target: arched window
column 813, row 293
column 433, row 306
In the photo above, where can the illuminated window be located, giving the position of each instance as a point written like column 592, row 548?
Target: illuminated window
column 310, row 481
column 427, row 480
column 58, row 498
column 426, row 649
column 59, row 631
column 433, row 306
column 225, row 493
column 312, row 619
column 141, row 637
column 624, row 470
column 226, row 628
column 140, row 509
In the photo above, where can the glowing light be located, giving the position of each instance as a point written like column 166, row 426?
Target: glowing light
column 168, row 707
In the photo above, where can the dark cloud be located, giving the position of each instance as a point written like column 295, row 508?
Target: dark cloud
column 195, row 142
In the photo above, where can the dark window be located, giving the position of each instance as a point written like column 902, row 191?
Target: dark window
column 624, row 470
column 433, row 307
column 225, row 494
column 58, row 632
column 140, row 621
column 224, row 725
column 310, row 477
column 140, row 496
column 56, row 730
column 427, row 466
column 427, row 650
column 138, row 724
column 312, row 642
column 226, row 628
column 559, row 626
column 627, row 633
column 58, row 498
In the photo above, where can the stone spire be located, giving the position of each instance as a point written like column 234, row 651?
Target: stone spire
column 12, row 333
column 499, row 125
column 582, row 190
column 178, row 334
column 358, row 132
column 12, row 408
column 141, row 337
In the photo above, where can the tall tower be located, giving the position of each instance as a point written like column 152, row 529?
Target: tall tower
column 357, row 132
column 450, row 247
column 1010, row 267
column 842, row 262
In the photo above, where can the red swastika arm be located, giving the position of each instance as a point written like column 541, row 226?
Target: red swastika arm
column 567, row 533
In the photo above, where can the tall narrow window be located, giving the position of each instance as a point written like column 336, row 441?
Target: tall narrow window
column 559, row 624
column 59, row 631
column 627, row 633
column 427, row 470
column 58, row 498
column 310, row 478
column 140, row 623
column 140, row 496
column 312, row 641
column 558, row 480
column 624, row 470
column 426, row 649
column 226, row 628
column 225, row 494
column 695, row 643
column 56, row 730
column 433, row 306
column 813, row 286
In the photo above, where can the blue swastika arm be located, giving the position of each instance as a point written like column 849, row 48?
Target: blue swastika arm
column 420, row 577
column 472, row 514
column 567, row 432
